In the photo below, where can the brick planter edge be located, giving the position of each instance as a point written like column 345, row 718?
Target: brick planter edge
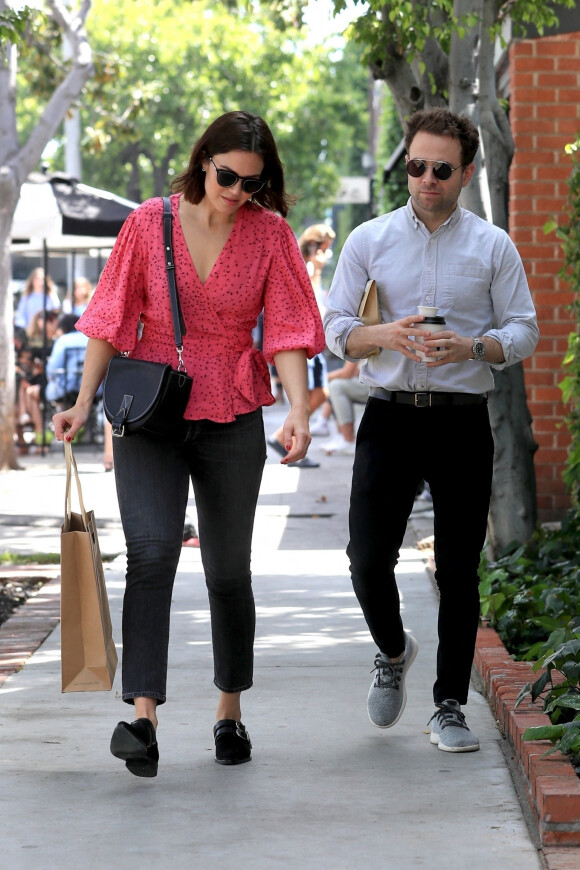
column 550, row 782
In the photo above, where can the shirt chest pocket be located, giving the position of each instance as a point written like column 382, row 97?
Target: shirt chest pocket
column 466, row 287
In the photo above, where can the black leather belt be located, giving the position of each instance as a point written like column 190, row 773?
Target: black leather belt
column 427, row 400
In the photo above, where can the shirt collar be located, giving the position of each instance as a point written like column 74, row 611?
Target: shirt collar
column 453, row 218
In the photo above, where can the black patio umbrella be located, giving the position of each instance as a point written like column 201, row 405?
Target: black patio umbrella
column 63, row 212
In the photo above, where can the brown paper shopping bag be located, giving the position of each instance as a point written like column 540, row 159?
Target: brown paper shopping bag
column 88, row 654
column 369, row 310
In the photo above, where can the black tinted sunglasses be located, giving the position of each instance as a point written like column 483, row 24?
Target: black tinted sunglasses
column 441, row 170
column 225, row 178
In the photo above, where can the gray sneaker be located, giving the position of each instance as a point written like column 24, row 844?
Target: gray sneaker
column 388, row 695
column 449, row 730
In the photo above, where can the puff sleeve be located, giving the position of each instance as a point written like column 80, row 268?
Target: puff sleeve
column 291, row 316
column 120, row 296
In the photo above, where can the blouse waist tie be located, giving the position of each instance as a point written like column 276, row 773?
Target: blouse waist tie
column 251, row 376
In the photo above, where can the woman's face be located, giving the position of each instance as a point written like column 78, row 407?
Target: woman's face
column 244, row 164
column 81, row 291
column 38, row 281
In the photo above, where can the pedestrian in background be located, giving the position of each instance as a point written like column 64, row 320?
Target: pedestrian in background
column 345, row 391
column 33, row 298
column 234, row 255
column 315, row 245
column 427, row 415
column 81, row 296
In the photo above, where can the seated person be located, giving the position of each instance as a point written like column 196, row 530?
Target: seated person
column 345, row 391
column 65, row 363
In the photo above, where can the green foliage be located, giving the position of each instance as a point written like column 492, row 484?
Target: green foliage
column 533, row 589
column 401, row 28
column 531, row 596
column 569, row 235
column 558, row 687
column 166, row 68
column 525, row 12
column 7, row 557
column 15, row 25
column 394, row 192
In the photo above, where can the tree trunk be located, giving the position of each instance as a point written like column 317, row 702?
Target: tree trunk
column 513, row 508
column 7, row 360
column 472, row 92
column 16, row 162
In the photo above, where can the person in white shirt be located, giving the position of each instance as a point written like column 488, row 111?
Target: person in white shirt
column 427, row 415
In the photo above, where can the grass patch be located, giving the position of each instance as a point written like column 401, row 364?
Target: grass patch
column 8, row 558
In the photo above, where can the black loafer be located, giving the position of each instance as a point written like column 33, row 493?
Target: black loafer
column 136, row 745
column 232, row 742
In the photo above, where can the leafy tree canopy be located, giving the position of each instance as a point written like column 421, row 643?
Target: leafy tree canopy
column 167, row 68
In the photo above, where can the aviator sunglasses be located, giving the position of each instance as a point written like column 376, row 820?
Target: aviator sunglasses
column 441, row 170
column 226, row 178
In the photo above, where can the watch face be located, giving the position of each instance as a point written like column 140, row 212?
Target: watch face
column 479, row 350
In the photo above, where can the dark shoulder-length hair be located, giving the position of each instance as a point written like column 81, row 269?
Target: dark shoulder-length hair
column 237, row 131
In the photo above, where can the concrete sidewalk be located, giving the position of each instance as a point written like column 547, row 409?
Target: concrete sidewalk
column 325, row 789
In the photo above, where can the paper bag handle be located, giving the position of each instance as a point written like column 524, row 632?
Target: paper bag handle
column 71, row 465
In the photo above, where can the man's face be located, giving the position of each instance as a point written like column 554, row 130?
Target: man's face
column 434, row 200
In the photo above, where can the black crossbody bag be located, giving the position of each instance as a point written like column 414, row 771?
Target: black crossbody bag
column 147, row 397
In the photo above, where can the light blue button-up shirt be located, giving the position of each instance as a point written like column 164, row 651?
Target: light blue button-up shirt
column 468, row 268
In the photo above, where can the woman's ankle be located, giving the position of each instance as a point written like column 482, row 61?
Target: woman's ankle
column 229, row 706
column 146, row 708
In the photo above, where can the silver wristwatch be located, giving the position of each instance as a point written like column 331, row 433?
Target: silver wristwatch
column 478, row 349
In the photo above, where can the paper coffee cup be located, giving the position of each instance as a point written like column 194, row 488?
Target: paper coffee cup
column 431, row 324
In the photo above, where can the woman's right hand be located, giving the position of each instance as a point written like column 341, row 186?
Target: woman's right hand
column 67, row 423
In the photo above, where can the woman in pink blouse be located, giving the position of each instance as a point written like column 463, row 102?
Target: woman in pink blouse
column 234, row 256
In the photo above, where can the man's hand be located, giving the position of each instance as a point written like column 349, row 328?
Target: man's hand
column 391, row 336
column 447, row 347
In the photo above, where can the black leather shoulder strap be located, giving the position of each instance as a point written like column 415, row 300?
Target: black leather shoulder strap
column 178, row 322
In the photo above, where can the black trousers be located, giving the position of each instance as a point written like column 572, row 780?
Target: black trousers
column 451, row 447
column 224, row 462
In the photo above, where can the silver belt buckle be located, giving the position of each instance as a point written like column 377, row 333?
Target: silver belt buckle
column 422, row 400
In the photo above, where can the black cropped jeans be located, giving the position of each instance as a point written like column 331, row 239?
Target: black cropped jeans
column 225, row 462
column 451, row 447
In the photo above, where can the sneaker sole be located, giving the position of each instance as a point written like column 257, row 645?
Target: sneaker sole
column 435, row 739
column 401, row 711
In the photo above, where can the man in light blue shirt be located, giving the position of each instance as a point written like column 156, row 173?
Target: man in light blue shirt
column 427, row 415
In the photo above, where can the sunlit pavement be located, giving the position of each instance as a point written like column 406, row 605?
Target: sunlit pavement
column 325, row 789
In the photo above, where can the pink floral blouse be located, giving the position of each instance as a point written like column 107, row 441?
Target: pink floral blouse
column 259, row 267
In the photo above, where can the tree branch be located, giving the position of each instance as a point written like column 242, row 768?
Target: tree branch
column 72, row 25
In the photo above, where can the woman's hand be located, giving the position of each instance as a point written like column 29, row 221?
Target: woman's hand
column 291, row 368
column 67, row 423
column 296, row 435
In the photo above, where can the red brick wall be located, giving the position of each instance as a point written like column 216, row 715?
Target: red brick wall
column 544, row 113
